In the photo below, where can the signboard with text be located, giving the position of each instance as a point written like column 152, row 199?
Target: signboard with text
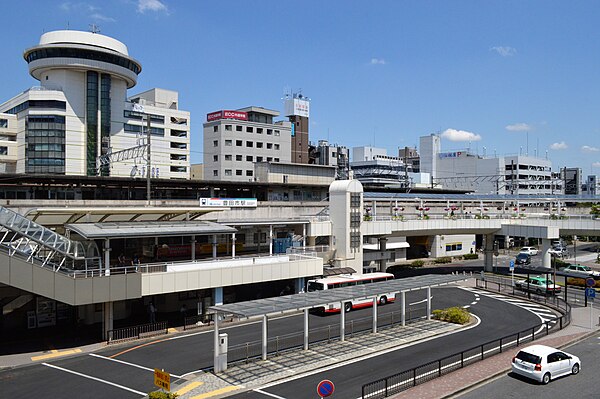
column 230, row 202
column 297, row 106
column 227, row 114
column 162, row 379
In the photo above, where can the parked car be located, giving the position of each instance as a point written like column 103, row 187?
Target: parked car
column 523, row 259
column 529, row 251
column 538, row 284
column 580, row 271
column 559, row 252
column 543, row 363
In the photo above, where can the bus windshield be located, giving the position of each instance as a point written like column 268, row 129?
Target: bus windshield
column 314, row 286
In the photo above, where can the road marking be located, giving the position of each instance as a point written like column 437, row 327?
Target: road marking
column 192, row 372
column 55, row 354
column 466, row 306
column 416, row 303
column 216, row 392
column 269, row 394
column 128, row 364
column 137, row 347
column 188, row 387
column 143, row 394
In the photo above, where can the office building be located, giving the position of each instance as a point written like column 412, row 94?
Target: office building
column 79, row 114
column 331, row 155
column 297, row 109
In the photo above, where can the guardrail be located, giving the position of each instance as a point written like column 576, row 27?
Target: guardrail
column 136, row 332
column 404, row 380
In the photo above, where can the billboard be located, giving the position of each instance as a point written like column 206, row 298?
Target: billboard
column 297, row 107
column 227, row 114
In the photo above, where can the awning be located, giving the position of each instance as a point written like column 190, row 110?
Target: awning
column 91, row 231
column 389, row 245
column 334, row 271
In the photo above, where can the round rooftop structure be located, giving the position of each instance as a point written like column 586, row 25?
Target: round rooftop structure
column 77, row 50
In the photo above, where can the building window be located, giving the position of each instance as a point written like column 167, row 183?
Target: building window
column 215, row 173
column 276, row 146
column 249, row 129
column 454, row 247
column 238, row 172
column 238, row 143
column 249, row 158
column 3, row 150
column 45, row 144
column 276, row 132
column 228, row 157
column 269, row 146
column 259, row 144
column 179, row 146
column 179, row 169
column 178, row 133
column 228, row 172
column 249, row 173
column 215, row 128
column 178, row 157
column 3, row 123
column 249, row 144
column 215, row 158
column 238, row 128
column 275, row 159
column 259, row 159
column 215, row 143
column 259, row 130
column 269, row 159
column 238, row 157
column 228, row 143
column 270, row 131
column 228, row 128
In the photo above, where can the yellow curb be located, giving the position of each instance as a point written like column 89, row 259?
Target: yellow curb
column 171, row 330
column 216, row 392
column 55, row 354
column 188, row 388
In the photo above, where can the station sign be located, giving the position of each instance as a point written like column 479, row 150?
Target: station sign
column 230, row 202
column 162, row 380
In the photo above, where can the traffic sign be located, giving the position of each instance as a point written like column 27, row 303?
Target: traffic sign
column 325, row 388
column 590, row 282
column 162, row 380
column 590, row 293
column 512, row 265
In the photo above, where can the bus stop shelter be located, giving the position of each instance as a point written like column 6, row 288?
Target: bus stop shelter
column 263, row 308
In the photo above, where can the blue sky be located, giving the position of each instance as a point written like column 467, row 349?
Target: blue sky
column 510, row 76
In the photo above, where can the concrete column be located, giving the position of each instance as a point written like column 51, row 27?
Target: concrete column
column 233, row 245
column 264, row 337
column 216, row 344
column 403, row 308
column 546, row 257
column 299, row 285
column 107, row 318
column 306, row 329
column 312, row 241
column 428, row 303
column 303, row 235
column 374, row 314
column 193, row 244
column 218, row 295
column 107, row 256
column 382, row 248
column 488, row 253
column 214, row 246
column 270, row 239
column 342, row 322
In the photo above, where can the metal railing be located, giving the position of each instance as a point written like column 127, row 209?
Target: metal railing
column 136, row 332
column 404, row 380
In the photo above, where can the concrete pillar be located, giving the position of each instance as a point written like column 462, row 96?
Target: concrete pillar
column 193, row 244
column 233, row 245
column 312, row 241
column 270, row 239
column 264, row 337
column 546, row 257
column 107, row 256
column 299, row 285
column 374, row 314
column 428, row 303
column 218, row 295
column 403, row 308
column 382, row 248
column 342, row 322
column 107, row 318
column 488, row 252
column 214, row 246
column 303, row 235
column 306, row 329
column 216, row 344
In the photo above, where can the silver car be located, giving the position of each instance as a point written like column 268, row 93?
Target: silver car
column 543, row 363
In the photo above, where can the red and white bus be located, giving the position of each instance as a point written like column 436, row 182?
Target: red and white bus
column 348, row 280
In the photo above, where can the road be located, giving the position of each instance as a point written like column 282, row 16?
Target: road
column 127, row 371
column 582, row 386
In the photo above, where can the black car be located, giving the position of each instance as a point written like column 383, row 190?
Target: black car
column 523, row 259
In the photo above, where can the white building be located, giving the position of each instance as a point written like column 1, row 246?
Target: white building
column 80, row 112
column 235, row 140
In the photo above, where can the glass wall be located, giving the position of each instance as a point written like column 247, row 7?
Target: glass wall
column 45, row 144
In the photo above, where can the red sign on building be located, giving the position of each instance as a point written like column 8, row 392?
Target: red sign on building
column 227, row 114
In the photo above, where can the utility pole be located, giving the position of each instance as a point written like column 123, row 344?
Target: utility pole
column 148, row 159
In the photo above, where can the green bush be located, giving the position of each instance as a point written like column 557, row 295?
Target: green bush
column 558, row 263
column 470, row 256
column 417, row 263
column 162, row 395
column 443, row 259
column 454, row 314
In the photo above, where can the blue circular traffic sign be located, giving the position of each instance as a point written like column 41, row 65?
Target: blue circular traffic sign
column 325, row 388
column 590, row 282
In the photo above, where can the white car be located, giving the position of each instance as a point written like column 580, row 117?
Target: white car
column 580, row 271
column 557, row 251
column 529, row 250
column 543, row 363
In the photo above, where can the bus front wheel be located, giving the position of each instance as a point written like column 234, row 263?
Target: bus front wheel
column 383, row 300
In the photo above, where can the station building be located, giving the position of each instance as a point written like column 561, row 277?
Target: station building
column 81, row 112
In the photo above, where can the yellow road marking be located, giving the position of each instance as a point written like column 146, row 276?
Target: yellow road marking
column 172, row 330
column 137, row 347
column 216, row 392
column 54, row 354
column 188, row 388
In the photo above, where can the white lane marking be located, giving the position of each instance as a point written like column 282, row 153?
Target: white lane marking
column 191, row 372
column 474, row 303
column 466, row 306
column 127, row 363
column 269, row 394
column 416, row 303
column 142, row 394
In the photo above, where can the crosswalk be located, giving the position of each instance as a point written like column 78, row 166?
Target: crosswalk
column 545, row 314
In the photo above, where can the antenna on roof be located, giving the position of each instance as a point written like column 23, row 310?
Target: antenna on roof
column 94, row 28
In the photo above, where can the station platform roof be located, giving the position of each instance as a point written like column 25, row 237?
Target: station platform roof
column 92, row 231
column 309, row 300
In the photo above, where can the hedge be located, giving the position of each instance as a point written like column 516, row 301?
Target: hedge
column 417, row 263
column 454, row 314
column 443, row 259
column 470, row 256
